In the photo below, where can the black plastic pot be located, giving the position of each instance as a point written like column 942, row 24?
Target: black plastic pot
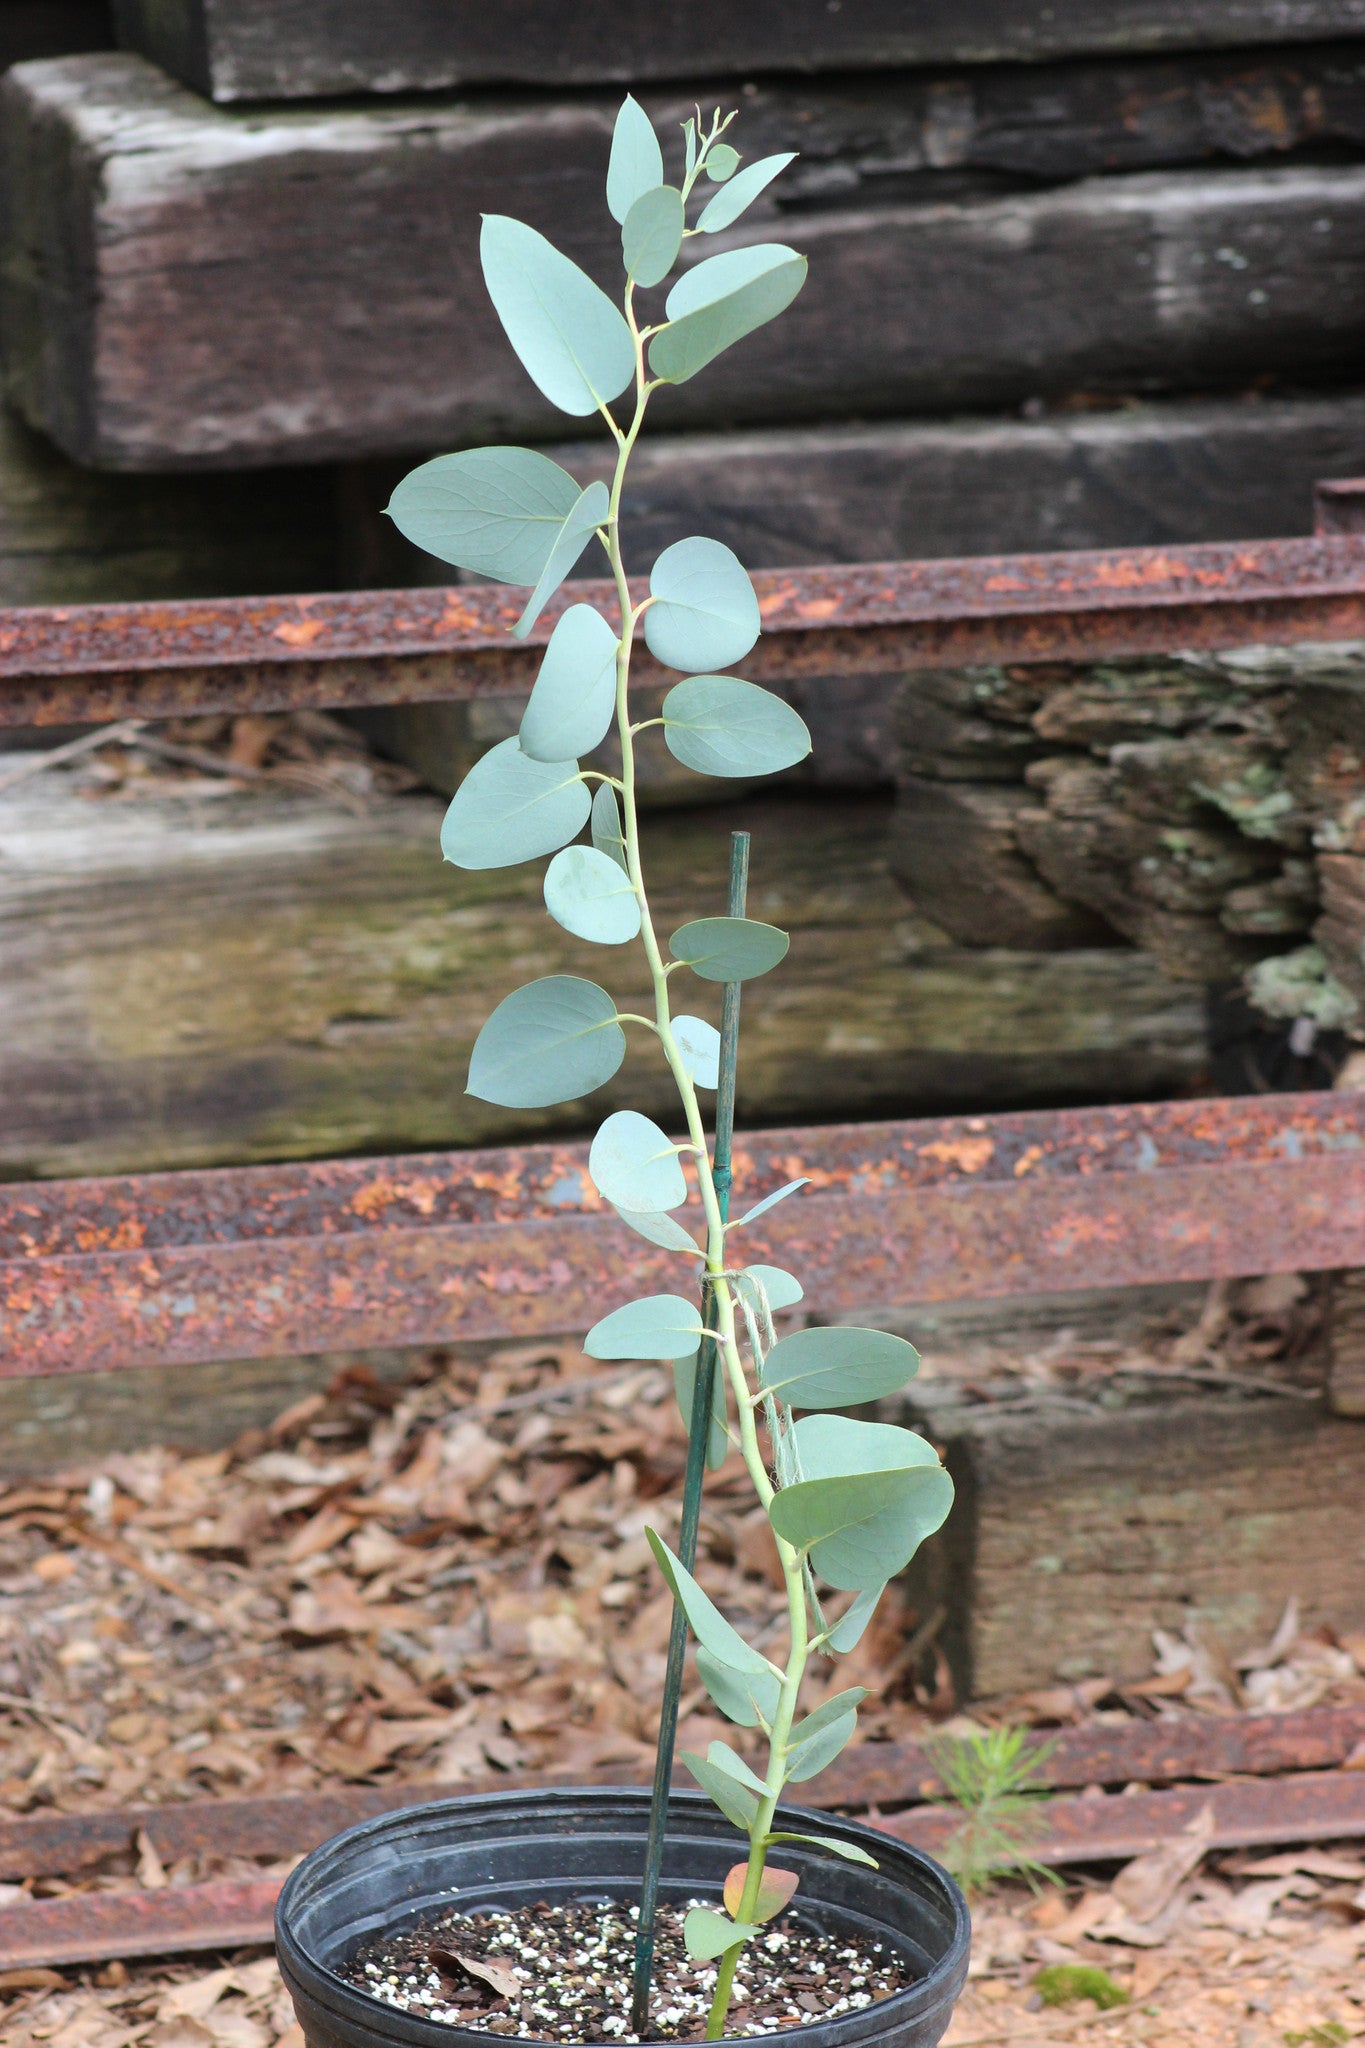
column 510, row 1848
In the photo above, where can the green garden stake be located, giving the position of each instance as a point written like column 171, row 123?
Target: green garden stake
column 698, row 1435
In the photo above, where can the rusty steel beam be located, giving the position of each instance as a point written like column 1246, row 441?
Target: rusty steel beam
column 1162, row 1752
column 345, row 1254
column 1251, row 1813
column 90, row 663
column 1321, row 1806
column 95, row 1927
column 881, row 1774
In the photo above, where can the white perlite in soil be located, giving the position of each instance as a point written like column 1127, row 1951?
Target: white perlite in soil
column 563, row 1973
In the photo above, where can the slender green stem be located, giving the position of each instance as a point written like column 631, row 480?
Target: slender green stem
column 777, row 1759
column 698, row 1444
column 713, row 1187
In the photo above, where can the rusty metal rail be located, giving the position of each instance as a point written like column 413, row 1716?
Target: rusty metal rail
column 89, row 663
column 343, row 1254
column 1307, row 1803
column 880, row 1774
column 1321, row 1806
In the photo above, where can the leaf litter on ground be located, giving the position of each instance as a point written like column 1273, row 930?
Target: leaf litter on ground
column 444, row 1575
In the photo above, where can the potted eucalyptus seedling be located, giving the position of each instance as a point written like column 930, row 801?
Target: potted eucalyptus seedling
column 609, row 1915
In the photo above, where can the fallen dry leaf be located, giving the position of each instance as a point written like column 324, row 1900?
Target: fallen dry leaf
column 1148, row 1884
column 179, row 2033
column 498, row 1978
column 1315, row 1862
column 1248, row 1910
column 151, row 1871
column 332, row 1606
column 198, row 1997
column 328, row 1527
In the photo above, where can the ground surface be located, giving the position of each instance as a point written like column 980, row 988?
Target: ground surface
column 449, row 1577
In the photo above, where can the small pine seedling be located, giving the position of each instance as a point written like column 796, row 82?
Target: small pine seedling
column 998, row 1783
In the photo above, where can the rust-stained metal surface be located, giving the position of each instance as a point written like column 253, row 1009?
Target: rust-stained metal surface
column 1317, row 1806
column 1162, row 1752
column 882, row 1774
column 68, row 664
column 1251, row 1813
column 94, row 1927
column 344, row 1254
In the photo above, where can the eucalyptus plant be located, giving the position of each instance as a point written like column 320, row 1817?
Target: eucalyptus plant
column 849, row 1500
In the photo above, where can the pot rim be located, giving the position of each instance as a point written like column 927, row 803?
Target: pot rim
column 942, row 1982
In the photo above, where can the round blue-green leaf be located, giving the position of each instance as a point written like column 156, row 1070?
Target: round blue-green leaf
column 635, row 1165
column 707, row 1934
column 607, row 835
column 511, row 808
column 700, row 1046
column 652, row 235
column 704, row 1618
column 659, row 1326
column 722, row 161
column 851, row 1626
column 637, row 162
column 744, row 1697
column 729, row 948
column 705, row 612
column 871, row 1495
column 782, row 1289
column 832, row 1709
column 841, row 1446
column 736, row 1802
column 572, row 341
column 552, row 1041
column 817, row 1739
column 717, row 304
column 586, row 892
column 720, row 725
column 574, row 696
column 684, row 1387
column 656, row 1226
column 726, row 1759
column 582, row 520
column 739, row 1806
column 497, row 511
column 725, row 207
column 835, row 1368
column 771, row 1201
column 849, row 1853
column 809, row 1758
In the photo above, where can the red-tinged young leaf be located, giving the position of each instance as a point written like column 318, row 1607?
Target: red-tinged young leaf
column 777, row 1889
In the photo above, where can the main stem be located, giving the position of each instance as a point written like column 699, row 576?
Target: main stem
column 698, row 1442
column 714, row 1191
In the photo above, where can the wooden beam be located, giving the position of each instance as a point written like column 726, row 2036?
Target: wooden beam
column 286, row 49
column 72, row 536
column 181, row 989
column 299, row 279
column 1160, row 473
column 1077, row 1534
